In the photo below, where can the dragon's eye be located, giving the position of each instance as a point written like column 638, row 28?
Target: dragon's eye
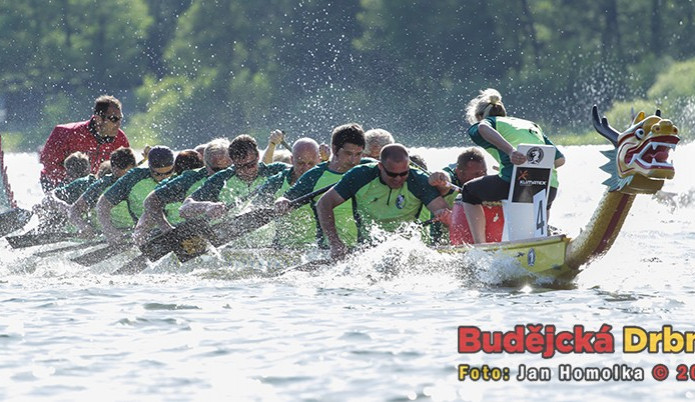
column 639, row 133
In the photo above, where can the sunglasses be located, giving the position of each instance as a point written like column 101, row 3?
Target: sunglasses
column 393, row 174
column 161, row 174
column 113, row 118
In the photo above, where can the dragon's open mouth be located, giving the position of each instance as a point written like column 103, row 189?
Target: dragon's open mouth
column 653, row 154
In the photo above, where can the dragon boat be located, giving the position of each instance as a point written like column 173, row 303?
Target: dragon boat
column 638, row 164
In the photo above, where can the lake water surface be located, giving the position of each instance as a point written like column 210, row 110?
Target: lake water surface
column 378, row 327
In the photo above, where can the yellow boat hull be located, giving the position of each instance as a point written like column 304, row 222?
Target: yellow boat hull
column 541, row 257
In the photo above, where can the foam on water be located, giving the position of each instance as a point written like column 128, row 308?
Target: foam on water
column 380, row 325
column 663, row 221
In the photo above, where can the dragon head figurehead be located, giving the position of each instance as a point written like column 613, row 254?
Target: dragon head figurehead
column 639, row 163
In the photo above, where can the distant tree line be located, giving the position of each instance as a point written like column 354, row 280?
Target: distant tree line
column 191, row 70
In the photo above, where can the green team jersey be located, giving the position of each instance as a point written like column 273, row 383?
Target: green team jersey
column 72, row 191
column 171, row 192
column 225, row 186
column 132, row 188
column 376, row 203
column 315, row 178
column 96, row 189
column 515, row 131
column 290, row 230
column 119, row 213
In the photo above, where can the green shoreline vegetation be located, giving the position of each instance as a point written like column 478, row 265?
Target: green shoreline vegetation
column 185, row 75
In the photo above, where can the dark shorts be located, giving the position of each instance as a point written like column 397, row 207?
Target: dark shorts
column 492, row 188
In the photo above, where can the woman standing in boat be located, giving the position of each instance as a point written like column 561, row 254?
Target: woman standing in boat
column 500, row 135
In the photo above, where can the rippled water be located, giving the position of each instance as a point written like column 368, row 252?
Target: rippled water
column 381, row 326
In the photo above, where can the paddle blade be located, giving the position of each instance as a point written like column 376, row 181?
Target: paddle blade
column 69, row 248
column 189, row 247
column 13, row 219
column 186, row 239
column 39, row 239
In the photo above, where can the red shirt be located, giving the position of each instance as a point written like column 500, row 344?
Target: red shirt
column 72, row 137
column 459, row 232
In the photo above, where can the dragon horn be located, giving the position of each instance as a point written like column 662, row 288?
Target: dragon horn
column 603, row 128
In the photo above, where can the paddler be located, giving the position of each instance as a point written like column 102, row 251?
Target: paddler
column 133, row 187
column 469, row 165
column 228, row 189
column 121, row 160
column 386, row 194
column 499, row 135
column 347, row 145
column 170, row 194
column 374, row 140
column 96, row 137
column 187, row 159
column 289, row 229
column 53, row 208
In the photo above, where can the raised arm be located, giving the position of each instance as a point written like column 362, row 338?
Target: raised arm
column 276, row 137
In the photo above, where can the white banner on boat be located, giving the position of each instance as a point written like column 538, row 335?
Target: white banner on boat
column 525, row 210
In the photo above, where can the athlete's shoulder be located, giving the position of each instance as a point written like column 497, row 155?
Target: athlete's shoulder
column 364, row 168
column 271, row 168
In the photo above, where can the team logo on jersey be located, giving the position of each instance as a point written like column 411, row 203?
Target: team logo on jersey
column 400, row 201
column 534, row 155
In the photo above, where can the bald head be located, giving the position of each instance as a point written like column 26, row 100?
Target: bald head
column 394, row 153
column 305, row 144
column 305, row 155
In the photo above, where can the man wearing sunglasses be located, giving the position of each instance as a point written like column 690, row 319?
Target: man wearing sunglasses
column 133, row 187
column 386, row 194
column 96, row 137
column 161, row 206
column 229, row 190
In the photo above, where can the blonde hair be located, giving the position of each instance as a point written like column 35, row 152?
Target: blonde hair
column 488, row 103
